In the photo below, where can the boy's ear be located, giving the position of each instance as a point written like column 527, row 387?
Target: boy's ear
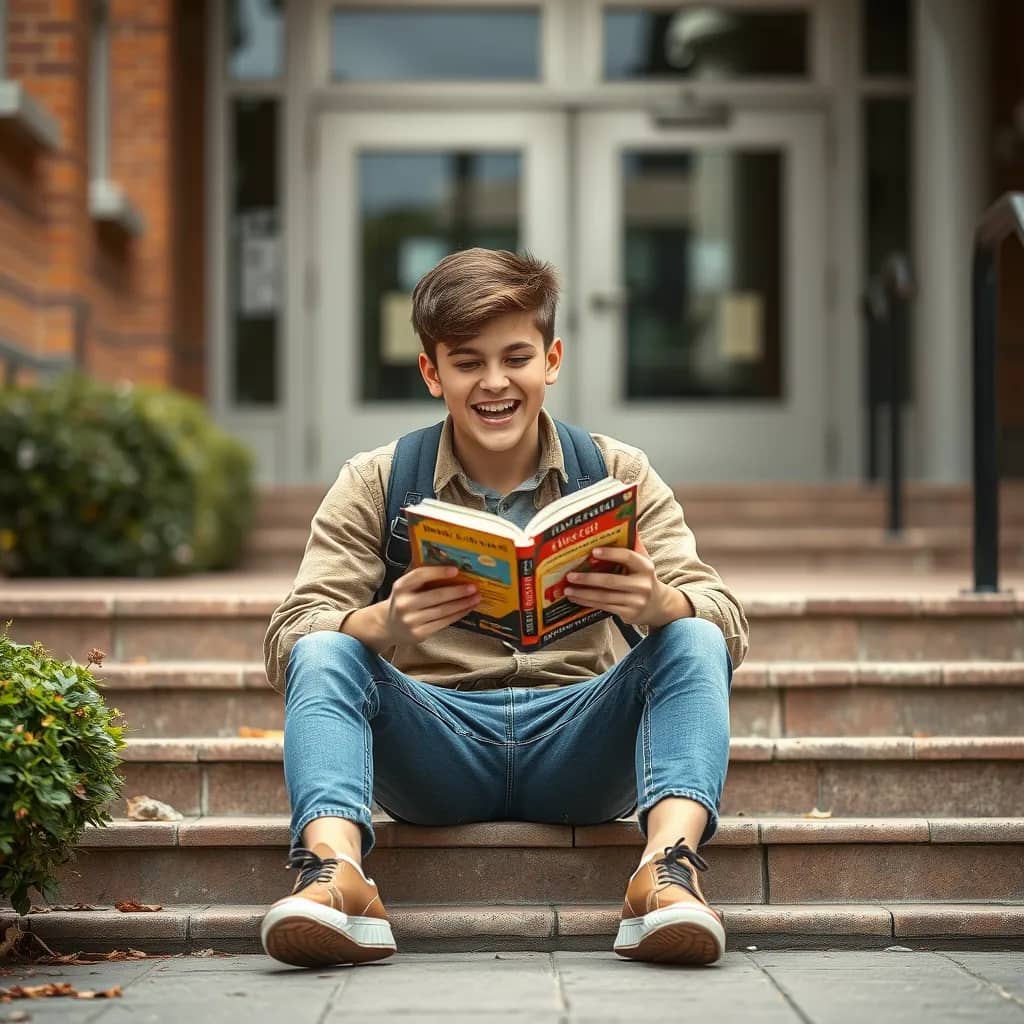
column 430, row 375
column 553, row 361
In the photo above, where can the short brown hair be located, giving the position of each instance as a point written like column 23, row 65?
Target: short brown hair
column 455, row 300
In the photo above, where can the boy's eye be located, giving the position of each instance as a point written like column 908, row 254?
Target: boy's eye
column 514, row 361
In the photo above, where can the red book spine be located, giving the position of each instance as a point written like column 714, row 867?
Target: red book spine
column 527, row 596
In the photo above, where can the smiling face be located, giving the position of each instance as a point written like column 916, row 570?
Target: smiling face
column 494, row 388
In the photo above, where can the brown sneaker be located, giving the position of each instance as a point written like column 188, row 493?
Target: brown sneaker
column 665, row 917
column 333, row 916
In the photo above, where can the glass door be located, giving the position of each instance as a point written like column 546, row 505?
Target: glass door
column 398, row 191
column 701, row 258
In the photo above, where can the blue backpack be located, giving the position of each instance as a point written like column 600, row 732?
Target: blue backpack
column 412, row 480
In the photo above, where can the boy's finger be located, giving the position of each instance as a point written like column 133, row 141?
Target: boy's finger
column 639, row 546
column 432, row 574
column 623, row 555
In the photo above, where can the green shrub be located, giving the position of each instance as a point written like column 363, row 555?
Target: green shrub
column 221, row 468
column 98, row 480
column 58, row 765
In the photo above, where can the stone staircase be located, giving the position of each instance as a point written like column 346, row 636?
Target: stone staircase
column 897, row 712
column 742, row 527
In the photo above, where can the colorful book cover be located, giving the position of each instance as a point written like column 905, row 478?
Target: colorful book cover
column 522, row 574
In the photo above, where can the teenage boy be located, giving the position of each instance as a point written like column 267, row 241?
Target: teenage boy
column 441, row 726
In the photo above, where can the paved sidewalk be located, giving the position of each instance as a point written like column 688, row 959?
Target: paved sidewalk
column 765, row 987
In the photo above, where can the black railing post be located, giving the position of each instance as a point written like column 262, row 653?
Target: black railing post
column 888, row 294
column 1003, row 219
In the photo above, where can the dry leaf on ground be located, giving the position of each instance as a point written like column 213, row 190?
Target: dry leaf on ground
column 58, row 988
column 815, row 813
column 252, row 733
column 131, row 907
column 145, row 808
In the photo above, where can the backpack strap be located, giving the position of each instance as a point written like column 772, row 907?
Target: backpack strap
column 411, row 479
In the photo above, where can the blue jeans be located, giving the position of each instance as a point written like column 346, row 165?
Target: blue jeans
column 654, row 725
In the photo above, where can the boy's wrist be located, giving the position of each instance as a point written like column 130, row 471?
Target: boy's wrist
column 369, row 625
column 674, row 604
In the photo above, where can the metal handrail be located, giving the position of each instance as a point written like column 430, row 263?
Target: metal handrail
column 893, row 280
column 16, row 359
column 1000, row 221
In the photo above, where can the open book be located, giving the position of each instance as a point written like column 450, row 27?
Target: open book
column 521, row 574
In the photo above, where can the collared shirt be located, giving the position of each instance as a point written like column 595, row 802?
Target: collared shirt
column 342, row 569
column 517, row 506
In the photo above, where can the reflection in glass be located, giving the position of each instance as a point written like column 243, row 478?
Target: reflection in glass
column 886, row 36
column 703, row 261
column 403, row 44
column 415, row 209
column 254, row 250
column 704, row 43
column 887, row 141
column 256, row 36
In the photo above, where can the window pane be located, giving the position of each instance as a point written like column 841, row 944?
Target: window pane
column 886, row 34
column 703, row 263
column 255, row 271
column 256, row 38
column 415, row 209
column 887, row 141
column 397, row 44
column 704, row 43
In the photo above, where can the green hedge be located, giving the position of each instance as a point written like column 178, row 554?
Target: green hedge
column 59, row 765
column 101, row 480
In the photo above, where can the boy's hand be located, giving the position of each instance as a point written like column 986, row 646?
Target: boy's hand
column 421, row 603
column 637, row 596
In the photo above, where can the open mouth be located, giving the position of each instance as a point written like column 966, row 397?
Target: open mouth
column 497, row 412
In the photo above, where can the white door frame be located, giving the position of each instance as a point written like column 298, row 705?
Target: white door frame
column 349, row 424
column 710, row 439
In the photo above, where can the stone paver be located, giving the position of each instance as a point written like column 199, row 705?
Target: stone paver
column 802, row 987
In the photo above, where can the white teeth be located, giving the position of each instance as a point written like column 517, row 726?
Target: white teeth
column 495, row 406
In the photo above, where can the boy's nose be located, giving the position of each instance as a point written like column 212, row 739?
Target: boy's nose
column 495, row 379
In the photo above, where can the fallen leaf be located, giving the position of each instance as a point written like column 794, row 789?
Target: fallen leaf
column 250, row 732
column 131, row 907
column 145, row 808
column 815, row 813
column 58, row 988
column 103, row 994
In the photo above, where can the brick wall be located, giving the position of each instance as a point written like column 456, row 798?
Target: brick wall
column 70, row 284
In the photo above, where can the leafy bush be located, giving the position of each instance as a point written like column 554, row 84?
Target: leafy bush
column 221, row 469
column 58, row 765
column 98, row 480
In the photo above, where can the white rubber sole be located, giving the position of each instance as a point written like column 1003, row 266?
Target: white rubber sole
column 681, row 933
column 305, row 933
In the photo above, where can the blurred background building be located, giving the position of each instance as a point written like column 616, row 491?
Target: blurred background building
column 235, row 198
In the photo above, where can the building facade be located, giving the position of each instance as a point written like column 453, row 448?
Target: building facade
column 237, row 197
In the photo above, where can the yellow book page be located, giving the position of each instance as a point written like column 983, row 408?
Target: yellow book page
column 488, row 561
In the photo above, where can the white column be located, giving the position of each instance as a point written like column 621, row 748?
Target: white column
column 950, row 189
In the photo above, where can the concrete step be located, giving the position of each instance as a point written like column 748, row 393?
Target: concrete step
column 172, row 624
column 919, row 549
column 241, row 860
column 767, row 504
column 418, row 928
column 848, row 698
column 878, row 776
